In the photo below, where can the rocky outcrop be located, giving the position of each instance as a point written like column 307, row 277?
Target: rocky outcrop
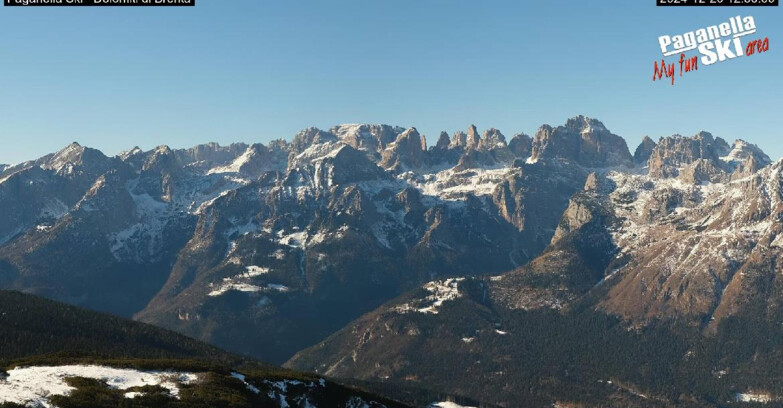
column 673, row 153
column 443, row 153
column 459, row 140
column 443, row 142
column 406, row 153
column 583, row 141
column 491, row 151
column 373, row 139
column 472, row 138
column 586, row 207
column 643, row 151
column 492, row 139
column 309, row 137
column 521, row 145
column 745, row 159
column 160, row 173
column 704, row 158
column 347, row 165
column 702, row 171
column 209, row 155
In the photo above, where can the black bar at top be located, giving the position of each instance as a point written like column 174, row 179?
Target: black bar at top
column 99, row 3
column 717, row 3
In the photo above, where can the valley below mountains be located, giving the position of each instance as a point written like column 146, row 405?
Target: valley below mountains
column 558, row 269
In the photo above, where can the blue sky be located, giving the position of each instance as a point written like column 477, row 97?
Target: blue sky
column 252, row 70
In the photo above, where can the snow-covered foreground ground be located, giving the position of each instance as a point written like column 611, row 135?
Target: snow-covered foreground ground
column 447, row 404
column 34, row 385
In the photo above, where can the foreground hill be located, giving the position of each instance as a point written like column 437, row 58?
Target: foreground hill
column 52, row 353
column 33, row 326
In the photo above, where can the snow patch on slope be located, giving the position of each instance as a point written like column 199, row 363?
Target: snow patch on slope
column 317, row 153
column 242, row 283
column 440, row 292
column 236, row 165
column 754, row 397
column 451, row 185
column 278, row 392
column 249, row 386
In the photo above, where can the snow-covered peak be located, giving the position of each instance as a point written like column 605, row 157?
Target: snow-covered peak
column 584, row 124
column 347, row 129
column 162, row 150
column 371, row 138
column 309, row 137
column 70, row 154
column 742, row 150
column 161, row 156
column 125, row 155
column 74, row 155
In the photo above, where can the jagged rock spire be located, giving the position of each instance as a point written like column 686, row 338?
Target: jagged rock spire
column 643, row 151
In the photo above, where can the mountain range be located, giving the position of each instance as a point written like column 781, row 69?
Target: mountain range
column 553, row 269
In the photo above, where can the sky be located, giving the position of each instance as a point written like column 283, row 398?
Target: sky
column 252, row 71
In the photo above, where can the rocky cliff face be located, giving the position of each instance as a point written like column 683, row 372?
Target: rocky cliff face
column 406, row 152
column 673, row 153
column 582, row 140
column 643, row 152
column 521, row 145
column 703, row 158
column 369, row 138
